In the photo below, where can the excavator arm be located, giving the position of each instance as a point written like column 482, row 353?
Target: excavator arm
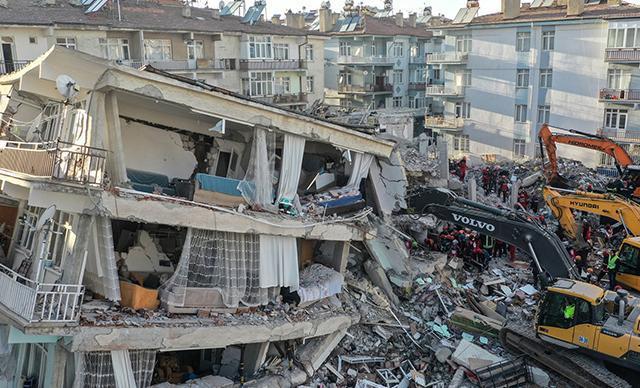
column 609, row 205
column 548, row 141
column 515, row 228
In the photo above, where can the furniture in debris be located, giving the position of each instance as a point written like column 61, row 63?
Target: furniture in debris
column 147, row 182
column 138, row 297
column 318, row 282
column 342, row 205
column 189, row 300
column 216, row 190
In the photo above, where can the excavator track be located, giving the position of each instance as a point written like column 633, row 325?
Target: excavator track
column 577, row 368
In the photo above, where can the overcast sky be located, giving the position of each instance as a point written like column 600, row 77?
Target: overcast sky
column 446, row 7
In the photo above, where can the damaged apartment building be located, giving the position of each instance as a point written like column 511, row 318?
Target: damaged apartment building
column 151, row 224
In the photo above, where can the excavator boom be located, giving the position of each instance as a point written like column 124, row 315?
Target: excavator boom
column 512, row 227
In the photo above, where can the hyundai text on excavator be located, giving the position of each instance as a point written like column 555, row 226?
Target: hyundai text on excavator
column 562, row 202
column 572, row 314
column 622, row 160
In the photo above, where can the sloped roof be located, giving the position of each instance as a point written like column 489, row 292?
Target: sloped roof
column 145, row 15
column 370, row 25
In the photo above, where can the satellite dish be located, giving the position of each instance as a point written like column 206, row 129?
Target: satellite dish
column 45, row 217
column 66, row 86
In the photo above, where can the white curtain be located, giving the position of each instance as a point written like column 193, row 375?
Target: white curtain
column 360, row 170
column 101, row 274
column 279, row 262
column 122, row 370
column 257, row 185
column 292, row 154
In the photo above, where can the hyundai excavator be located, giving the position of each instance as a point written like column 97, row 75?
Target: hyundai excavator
column 572, row 314
column 615, row 207
column 622, row 160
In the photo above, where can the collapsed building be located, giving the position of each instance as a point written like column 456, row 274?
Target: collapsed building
column 129, row 190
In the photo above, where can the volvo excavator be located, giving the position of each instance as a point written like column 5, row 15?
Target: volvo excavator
column 562, row 203
column 623, row 162
column 572, row 314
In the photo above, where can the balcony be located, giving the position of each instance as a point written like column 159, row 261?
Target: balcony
column 621, row 135
column 444, row 123
column 184, row 65
column 276, row 64
column 36, row 302
column 621, row 96
column 384, row 88
column 444, row 91
column 417, row 86
column 55, row 160
column 7, row 67
column 622, row 55
column 284, row 99
column 448, row 58
column 361, row 60
column 418, row 59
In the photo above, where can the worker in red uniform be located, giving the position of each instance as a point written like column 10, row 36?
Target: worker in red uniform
column 462, row 168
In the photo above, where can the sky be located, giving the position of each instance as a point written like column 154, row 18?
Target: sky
column 447, row 7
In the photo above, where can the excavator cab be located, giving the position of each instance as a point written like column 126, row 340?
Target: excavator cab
column 628, row 185
column 629, row 263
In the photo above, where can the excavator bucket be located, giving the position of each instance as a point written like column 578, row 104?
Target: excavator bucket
column 560, row 182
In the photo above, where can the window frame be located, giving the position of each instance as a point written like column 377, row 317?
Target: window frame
column 195, row 49
column 344, row 48
column 165, row 46
column 398, row 77
column 548, row 40
column 521, row 113
column 310, row 84
column 308, row 53
column 522, row 78
column 519, row 148
column 461, row 143
column 261, row 83
column 464, row 43
column 396, row 102
column 544, row 113
column 260, row 47
column 281, row 52
column 523, row 42
column 615, row 114
column 69, row 42
column 546, row 78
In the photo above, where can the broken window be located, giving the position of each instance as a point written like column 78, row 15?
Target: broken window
column 67, row 42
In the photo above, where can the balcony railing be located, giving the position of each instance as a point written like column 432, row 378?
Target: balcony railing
column 56, row 160
column 38, row 302
column 184, row 65
column 452, row 57
column 297, row 98
column 628, row 135
column 370, row 60
column 622, row 55
column 7, row 67
column 445, row 123
column 384, row 88
column 276, row 64
column 443, row 90
column 620, row 95
column 417, row 86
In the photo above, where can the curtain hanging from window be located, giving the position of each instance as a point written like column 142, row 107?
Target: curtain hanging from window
column 257, row 185
column 279, row 262
column 292, row 154
column 360, row 170
column 101, row 273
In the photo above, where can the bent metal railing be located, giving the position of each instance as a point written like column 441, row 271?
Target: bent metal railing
column 39, row 302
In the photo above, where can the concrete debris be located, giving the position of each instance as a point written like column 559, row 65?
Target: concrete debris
column 473, row 356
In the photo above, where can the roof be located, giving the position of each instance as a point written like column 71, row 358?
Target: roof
column 586, row 291
column 370, row 25
column 136, row 15
column 591, row 11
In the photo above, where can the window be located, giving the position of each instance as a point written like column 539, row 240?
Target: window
column 615, row 78
column 397, row 102
column 553, row 308
column 623, row 38
column 521, row 113
column 374, row 50
column 466, row 78
column 522, row 78
column 463, row 110
column 463, row 43
column 310, row 84
column 345, row 78
column 420, row 74
column 283, row 85
column 260, row 47
column 548, row 40
column 69, row 43
column 629, row 259
column 195, row 49
column 461, row 143
column 308, row 52
column 544, row 111
column 157, row 49
column 398, row 49
column 615, row 118
column 260, row 83
column 436, row 74
column 519, row 148
column 418, row 102
column 523, row 41
column 397, row 76
column 280, row 51
column 33, row 40
column 546, row 78
column 345, row 48
column 114, row 48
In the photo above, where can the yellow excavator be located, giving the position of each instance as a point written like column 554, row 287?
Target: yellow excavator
column 562, row 203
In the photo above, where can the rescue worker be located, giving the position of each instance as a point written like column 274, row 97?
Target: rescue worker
column 612, row 268
column 569, row 311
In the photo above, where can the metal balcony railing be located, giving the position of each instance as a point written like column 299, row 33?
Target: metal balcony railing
column 296, row 98
column 443, row 90
column 628, row 135
column 622, row 55
column 452, row 57
column 56, row 160
column 386, row 88
column 365, row 60
column 7, row 67
column 620, row 95
column 275, row 64
column 442, row 122
column 39, row 302
column 184, row 64
column 417, row 86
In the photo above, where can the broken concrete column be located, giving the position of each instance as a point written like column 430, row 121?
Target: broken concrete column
column 473, row 189
column 515, row 187
column 288, row 379
column 316, row 351
column 379, row 278
column 457, row 379
column 254, row 357
column 423, row 144
column 114, row 134
column 443, row 158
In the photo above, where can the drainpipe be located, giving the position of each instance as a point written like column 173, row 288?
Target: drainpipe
column 306, row 42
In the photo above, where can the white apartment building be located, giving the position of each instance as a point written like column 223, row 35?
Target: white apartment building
column 275, row 63
column 571, row 64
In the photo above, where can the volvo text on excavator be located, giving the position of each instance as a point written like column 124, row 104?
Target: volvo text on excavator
column 572, row 314
column 624, row 163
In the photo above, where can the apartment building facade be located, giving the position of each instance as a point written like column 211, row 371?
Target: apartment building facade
column 278, row 64
column 377, row 63
column 565, row 63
